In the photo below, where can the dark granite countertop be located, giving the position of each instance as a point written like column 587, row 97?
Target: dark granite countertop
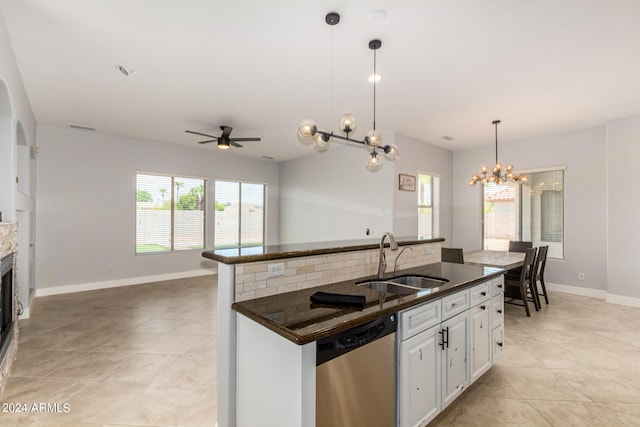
column 270, row 252
column 294, row 317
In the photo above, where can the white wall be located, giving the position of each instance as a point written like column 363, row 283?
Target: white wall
column 17, row 126
column 332, row 196
column 623, row 216
column 86, row 204
column 14, row 109
column 417, row 156
column 583, row 153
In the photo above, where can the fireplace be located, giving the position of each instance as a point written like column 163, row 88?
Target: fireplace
column 6, row 302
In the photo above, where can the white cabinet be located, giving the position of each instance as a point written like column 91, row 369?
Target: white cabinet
column 419, row 378
column 455, row 375
column 497, row 318
column 480, row 343
column 443, row 346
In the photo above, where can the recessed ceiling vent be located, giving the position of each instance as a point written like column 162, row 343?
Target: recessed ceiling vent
column 125, row 70
column 80, row 127
column 268, row 157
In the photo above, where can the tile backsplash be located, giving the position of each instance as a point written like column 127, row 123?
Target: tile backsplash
column 252, row 279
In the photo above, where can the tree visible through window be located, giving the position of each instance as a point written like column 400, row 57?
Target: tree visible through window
column 170, row 213
column 239, row 216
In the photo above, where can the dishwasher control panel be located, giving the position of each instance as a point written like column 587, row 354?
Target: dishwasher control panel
column 343, row 342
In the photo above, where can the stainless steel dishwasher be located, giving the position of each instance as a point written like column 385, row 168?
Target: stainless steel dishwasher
column 356, row 376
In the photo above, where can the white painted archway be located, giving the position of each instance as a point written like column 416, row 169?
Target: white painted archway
column 7, row 156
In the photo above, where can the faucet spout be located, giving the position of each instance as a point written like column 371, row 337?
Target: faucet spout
column 382, row 260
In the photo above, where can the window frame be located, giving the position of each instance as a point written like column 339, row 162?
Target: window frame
column 264, row 212
column 435, row 204
column 520, row 205
column 173, row 176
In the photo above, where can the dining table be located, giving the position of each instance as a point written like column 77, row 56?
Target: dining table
column 493, row 258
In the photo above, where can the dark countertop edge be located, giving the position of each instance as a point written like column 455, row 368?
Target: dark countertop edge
column 305, row 339
column 332, row 248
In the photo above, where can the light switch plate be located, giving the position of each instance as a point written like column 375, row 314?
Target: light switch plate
column 275, row 269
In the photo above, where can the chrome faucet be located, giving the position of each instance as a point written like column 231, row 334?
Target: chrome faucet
column 382, row 261
column 395, row 263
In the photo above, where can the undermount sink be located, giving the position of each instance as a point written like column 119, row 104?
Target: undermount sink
column 418, row 282
column 389, row 287
column 403, row 285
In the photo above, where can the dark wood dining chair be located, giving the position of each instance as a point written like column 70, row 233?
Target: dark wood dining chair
column 541, row 262
column 519, row 246
column 519, row 289
column 452, row 255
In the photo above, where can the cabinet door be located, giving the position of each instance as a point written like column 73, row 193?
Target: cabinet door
column 480, row 340
column 498, row 342
column 455, row 372
column 419, row 379
column 497, row 310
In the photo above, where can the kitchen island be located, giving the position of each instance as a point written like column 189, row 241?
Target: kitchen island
column 280, row 279
column 249, row 273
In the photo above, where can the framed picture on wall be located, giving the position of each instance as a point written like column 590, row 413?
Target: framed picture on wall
column 407, row 182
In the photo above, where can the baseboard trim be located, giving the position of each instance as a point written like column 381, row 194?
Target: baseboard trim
column 595, row 293
column 622, row 300
column 577, row 290
column 81, row 287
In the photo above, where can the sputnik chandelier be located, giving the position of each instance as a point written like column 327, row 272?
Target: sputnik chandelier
column 497, row 176
column 373, row 139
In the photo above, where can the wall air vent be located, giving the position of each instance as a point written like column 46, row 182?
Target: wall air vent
column 447, row 138
column 79, row 127
column 268, row 157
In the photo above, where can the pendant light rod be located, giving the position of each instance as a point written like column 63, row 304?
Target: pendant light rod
column 374, row 45
column 496, row 123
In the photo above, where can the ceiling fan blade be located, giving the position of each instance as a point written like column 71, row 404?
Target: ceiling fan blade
column 201, row 134
column 244, row 139
column 204, row 142
column 226, row 131
column 235, row 144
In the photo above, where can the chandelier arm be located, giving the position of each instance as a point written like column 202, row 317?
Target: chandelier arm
column 344, row 138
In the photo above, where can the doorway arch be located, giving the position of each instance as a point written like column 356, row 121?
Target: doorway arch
column 7, row 155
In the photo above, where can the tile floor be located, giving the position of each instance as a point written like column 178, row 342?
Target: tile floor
column 145, row 355
column 137, row 355
column 574, row 363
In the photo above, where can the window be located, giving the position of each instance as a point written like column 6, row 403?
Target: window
column 428, row 206
column 239, row 214
column 169, row 213
column 533, row 211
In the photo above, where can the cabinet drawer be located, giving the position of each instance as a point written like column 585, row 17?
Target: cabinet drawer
column 498, row 342
column 480, row 293
column 497, row 310
column 497, row 286
column 421, row 318
column 454, row 304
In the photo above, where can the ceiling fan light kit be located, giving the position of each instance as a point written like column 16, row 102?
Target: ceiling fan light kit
column 497, row 176
column 372, row 141
column 225, row 140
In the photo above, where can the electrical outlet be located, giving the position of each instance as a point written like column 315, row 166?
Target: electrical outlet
column 580, row 276
column 428, row 250
column 276, row 269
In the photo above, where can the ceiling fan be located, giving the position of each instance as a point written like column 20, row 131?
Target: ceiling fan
column 224, row 141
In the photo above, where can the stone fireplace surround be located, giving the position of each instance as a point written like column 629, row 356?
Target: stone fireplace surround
column 8, row 245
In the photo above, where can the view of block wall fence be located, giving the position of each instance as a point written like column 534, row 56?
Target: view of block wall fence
column 154, row 227
column 251, row 279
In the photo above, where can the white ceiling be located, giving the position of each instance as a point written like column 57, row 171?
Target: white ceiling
column 449, row 67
